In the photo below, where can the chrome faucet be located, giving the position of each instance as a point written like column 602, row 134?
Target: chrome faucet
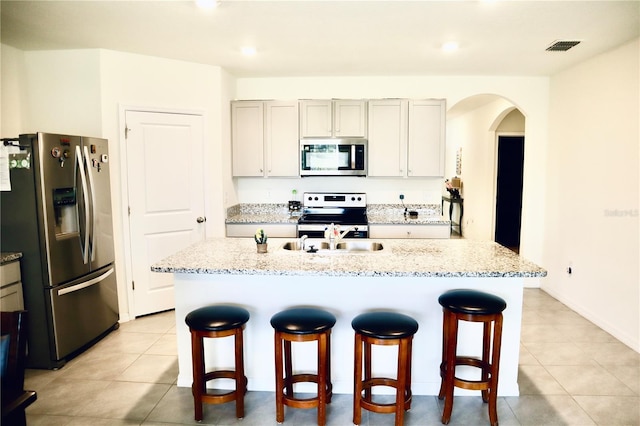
column 345, row 232
column 334, row 235
column 301, row 241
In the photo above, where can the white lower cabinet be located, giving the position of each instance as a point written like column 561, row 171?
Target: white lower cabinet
column 11, row 298
column 410, row 231
column 275, row 230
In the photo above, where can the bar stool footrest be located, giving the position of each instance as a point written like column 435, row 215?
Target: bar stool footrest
column 482, row 385
column 367, row 402
column 292, row 401
column 222, row 398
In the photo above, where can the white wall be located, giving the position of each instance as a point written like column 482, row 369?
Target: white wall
column 12, row 91
column 63, row 92
column 592, row 191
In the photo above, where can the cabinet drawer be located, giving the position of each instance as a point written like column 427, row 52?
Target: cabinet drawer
column 409, row 231
column 272, row 230
column 9, row 273
column 11, row 298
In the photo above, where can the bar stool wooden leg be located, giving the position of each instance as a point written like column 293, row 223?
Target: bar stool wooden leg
column 450, row 365
column 357, row 381
column 322, row 379
column 408, row 380
column 241, row 383
column 198, row 387
column 495, row 367
column 288, row 367
column 279, row 378
column 401, row 389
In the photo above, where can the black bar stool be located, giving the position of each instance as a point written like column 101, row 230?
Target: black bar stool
column 302, row 325
column 382, row 328
column 212, row 322
column 473, row 306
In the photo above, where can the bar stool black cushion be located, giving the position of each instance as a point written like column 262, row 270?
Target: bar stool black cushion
column 217, row 318
column 472, row 302
column 303, row 321
column 385, row 325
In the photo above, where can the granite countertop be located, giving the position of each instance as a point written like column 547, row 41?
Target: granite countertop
column 380, row 214
column 398, row 218
column 260, row 213
column 7, row 257
column 399, row 258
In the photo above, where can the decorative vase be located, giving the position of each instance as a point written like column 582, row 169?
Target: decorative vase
column 262, row 248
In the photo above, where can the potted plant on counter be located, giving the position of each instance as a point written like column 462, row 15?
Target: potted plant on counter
column 261, row 240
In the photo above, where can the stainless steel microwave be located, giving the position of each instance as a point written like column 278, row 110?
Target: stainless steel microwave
column 333, row 157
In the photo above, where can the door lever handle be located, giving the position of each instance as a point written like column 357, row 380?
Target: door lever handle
column 201, row 219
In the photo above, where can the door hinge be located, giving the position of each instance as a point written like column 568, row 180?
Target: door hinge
column 133, row 285
column 129, row 210
column 126, row 131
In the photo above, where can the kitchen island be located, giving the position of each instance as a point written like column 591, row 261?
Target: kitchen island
column 406, row 276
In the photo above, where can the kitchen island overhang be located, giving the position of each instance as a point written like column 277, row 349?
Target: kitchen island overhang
column 407, row 276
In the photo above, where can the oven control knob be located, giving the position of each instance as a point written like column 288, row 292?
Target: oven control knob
column 310, row 198
column 359, row 198
column 316, row 198
column 353, row 198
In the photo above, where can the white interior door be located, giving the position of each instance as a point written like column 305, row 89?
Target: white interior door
column 166, row 198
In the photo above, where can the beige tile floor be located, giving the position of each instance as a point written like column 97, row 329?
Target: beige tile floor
column 571, row 373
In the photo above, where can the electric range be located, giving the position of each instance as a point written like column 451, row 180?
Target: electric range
column 322, row 209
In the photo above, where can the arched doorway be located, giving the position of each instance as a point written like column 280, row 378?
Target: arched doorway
column 488, row 129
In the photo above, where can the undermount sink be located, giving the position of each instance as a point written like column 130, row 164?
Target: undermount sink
column 359, row 246
column 344, row 246
column 295, row 245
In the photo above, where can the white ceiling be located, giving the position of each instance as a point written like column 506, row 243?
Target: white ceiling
column 329, row 38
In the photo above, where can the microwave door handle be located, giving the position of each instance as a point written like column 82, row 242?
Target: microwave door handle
column 353, row 157
column 92, row 187
column 85, row 197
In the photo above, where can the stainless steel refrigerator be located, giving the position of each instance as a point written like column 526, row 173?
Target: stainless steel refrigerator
column 58, row 214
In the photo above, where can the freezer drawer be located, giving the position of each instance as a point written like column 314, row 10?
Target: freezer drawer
column 83, row 310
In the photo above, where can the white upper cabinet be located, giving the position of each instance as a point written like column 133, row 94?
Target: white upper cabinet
column 333, row 118
column 387, row 149
column 406, row 138
column 426, row 139
column 264, row 138
column 281, row 139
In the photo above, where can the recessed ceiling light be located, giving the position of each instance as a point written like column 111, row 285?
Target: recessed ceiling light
column 207, row 4
column 248, row 51
column 450, row 46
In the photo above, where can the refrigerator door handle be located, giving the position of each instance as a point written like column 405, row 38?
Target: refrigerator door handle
column 85, row 284
column 92, row 187
column 85, row 195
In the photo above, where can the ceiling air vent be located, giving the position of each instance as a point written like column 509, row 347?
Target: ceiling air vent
column 562, row 45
